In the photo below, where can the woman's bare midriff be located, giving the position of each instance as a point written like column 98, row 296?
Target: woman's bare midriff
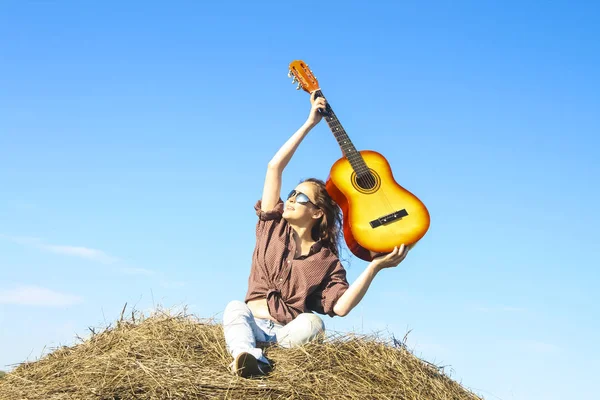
column 260, row 309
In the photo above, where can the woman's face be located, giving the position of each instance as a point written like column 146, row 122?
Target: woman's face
column 300, row 211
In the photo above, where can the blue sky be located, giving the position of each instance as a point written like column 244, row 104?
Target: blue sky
column 134, row 140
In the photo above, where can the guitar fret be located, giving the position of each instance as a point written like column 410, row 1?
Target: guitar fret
column 352, row 155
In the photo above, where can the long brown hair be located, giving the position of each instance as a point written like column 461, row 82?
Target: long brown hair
column 329, row 227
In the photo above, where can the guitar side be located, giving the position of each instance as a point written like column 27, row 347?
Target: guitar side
column 364, row 209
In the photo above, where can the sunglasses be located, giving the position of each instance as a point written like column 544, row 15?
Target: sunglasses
column 301, row 198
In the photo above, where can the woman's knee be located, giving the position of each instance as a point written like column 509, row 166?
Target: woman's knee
column 306, row 327
column 314, row 321
column 314, row 324
column 235, row 309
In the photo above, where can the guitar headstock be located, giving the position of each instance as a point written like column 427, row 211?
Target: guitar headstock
column 299, row 72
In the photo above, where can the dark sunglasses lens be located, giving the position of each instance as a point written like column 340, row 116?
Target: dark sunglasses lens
column 302, row 198
column 291, row 194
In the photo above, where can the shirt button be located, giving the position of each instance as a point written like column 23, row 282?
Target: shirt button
column 280, row 280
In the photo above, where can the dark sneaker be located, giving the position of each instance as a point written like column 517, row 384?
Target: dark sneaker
column 246, row 366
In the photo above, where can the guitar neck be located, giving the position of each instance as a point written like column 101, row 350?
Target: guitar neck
column 346, row 145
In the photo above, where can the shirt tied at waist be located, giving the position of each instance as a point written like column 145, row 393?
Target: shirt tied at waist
column 277, row 307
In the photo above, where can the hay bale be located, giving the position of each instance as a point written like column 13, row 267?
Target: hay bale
column 182, row 357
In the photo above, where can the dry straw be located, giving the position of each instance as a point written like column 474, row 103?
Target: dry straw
column 178, row 356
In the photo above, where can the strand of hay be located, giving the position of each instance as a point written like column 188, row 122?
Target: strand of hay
column 182, row 357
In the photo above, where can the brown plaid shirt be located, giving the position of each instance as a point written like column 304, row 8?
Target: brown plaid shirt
column 291, row 285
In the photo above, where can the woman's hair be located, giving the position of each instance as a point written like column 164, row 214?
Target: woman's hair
column 329, row 227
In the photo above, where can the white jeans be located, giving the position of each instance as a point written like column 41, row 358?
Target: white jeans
column 242, row 330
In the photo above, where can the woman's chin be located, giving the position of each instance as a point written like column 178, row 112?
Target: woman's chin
column 289, row 216
column 293, row 218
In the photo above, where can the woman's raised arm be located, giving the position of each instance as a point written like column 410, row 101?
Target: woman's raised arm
column 272, row 186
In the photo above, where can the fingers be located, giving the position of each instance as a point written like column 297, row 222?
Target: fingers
column 403, row 250
column 393, row 258
column 397, row 255
column 317, row 100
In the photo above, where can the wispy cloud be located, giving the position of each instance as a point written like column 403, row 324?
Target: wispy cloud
column 535, row 346
column 86, row 253
column 487, row 309
column 24, row 206
column 82, row 252
column 541, row 347
column 37, row 296
column 72, row 251
column 172, row 284
column 137, row 271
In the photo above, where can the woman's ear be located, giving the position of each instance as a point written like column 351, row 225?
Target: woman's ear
column 318, row 214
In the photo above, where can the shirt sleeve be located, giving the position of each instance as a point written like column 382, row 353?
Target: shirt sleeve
column 274, row 213
column 333, row 287
column 267, row 218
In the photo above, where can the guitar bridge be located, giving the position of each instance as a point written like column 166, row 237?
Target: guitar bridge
column 386, row 219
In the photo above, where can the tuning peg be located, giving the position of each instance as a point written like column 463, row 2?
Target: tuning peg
column 299, row 86
column 294, row 80
column 289, row 73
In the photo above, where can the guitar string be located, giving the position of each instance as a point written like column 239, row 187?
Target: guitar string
column 362, row 169
column 369, row 174
column 366, row 174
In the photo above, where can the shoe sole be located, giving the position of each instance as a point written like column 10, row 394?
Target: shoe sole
column 247, row 366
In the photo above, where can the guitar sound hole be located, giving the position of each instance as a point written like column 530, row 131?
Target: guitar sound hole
column 366, row 181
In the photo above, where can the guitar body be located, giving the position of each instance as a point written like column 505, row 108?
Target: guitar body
column 361, row 206
column 378, row 213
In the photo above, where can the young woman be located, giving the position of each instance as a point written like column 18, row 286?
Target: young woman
column 295, row 266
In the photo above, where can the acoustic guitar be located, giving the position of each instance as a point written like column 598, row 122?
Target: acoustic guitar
column 378, row 213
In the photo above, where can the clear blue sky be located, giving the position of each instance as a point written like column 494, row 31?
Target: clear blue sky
column 134, row 140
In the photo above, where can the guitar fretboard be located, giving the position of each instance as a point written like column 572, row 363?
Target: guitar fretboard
column 354, row 157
